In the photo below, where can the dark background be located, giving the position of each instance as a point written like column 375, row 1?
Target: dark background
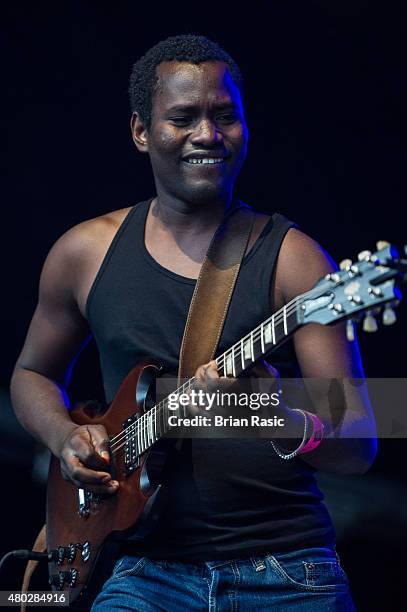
column 325, row 95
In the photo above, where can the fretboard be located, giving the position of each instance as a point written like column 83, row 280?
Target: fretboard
column 265, row 338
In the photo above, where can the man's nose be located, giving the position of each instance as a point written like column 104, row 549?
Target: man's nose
column 206, row 133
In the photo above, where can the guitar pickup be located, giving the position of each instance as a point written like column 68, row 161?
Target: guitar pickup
column 131, row 455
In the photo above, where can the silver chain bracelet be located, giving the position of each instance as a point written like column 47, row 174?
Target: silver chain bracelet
column 295, row 452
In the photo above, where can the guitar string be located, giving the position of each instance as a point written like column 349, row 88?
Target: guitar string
column 140, row 428
column 289, row 308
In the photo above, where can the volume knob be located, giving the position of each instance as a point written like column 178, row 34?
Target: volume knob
column 85, row 551
column 73, row 577
column 71, row 553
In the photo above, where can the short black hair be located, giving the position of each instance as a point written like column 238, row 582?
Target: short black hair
column 182, row 48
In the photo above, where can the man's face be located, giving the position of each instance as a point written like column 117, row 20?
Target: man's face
column 198, row 135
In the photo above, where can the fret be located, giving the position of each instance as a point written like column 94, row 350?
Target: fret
column 242, row 353
column 262, row 339
column 152, row 425
column 233, row 362
column 163, row 419
column 247, row 349
column 186, row 388
column 152, row 437
column 139, row 436
column 169, row 412
column 251, row 346
column 273, row 329
column 221, row 368
column 267, row 333
column 228, row 364
column 144, row 432
column 146, row 443
column 133, row 436
column 285, row 320
column 156, row 436
column 180, row 411
column 150, row 428
column 147, row 431
column 159, row 421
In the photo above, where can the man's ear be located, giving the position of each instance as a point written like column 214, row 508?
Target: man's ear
column 139, row 133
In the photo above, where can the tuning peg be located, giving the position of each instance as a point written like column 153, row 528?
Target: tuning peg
column 363, row 255
column 350, row 330
column 346, row 263
column 369, row 323
column 382, row 244
column 389, row 316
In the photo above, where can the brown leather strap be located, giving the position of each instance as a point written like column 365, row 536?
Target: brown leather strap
column 40, row 545
column 213, row 291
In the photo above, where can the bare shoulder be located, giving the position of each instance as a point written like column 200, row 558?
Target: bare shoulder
column 302, row 261
column 76, row 256
column 84, row 237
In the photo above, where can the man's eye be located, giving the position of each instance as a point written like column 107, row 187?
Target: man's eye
column 180, row 120
column 227, row 118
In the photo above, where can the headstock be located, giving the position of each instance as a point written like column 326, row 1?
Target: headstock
column 359, row 290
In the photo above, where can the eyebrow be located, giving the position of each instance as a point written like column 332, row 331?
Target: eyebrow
column 184, row 108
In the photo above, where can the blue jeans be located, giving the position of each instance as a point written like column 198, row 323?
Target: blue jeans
column 309, row 580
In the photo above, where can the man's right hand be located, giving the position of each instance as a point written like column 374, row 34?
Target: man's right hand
column 85, row 458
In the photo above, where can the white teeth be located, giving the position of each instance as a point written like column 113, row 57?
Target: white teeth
column 205, row 160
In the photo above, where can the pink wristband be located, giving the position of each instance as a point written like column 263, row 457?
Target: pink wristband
column 316, row 436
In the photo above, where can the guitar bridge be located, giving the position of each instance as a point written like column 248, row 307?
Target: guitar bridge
column 131, row 458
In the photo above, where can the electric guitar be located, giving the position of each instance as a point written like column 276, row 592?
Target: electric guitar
column 84, row 530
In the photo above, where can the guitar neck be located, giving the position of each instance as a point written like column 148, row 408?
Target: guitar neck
column 266, row 337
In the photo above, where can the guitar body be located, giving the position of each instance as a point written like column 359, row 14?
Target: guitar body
column 85, row 529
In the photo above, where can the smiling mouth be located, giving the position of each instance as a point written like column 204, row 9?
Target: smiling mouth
column 205, row 160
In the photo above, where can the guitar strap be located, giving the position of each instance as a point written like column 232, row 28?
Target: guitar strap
column 214, row 289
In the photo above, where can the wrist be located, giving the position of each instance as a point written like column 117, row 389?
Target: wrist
column 65, row 430
column 313, row 432
column 293, row 429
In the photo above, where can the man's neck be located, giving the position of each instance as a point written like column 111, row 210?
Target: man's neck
column 179, row 216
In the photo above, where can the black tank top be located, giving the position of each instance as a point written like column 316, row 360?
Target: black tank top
column 228, row 497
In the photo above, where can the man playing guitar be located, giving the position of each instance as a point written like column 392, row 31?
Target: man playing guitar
column 243, row 536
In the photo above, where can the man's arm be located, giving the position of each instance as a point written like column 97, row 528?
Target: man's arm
column 323, row 352
column 56, row 334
